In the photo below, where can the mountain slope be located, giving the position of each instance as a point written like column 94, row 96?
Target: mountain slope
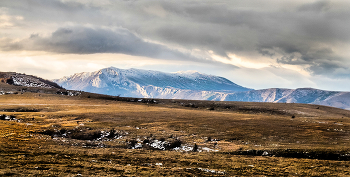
column 300, row 95
column 19, row 79
column 146, row 83
column 193, row 86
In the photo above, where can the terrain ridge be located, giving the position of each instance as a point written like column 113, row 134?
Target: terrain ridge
column 192, row 85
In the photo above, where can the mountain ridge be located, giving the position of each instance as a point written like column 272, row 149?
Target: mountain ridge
column 299, row 95
column 113, row 80
column 192, row 85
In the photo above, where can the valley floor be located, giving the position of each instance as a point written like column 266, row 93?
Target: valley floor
column 60, row 135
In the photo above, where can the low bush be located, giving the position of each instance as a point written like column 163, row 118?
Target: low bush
column 174, row 144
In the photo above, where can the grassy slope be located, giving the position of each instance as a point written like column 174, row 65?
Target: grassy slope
column 239, row 126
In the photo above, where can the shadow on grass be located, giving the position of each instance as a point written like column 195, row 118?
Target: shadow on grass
column 297, row 153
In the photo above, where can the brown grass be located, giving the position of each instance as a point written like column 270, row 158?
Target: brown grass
column 237, row 127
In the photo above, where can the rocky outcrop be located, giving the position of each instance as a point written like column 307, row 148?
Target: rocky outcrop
column 19, row 79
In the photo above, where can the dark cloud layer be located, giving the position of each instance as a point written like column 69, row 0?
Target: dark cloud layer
column 305, row 35
column 312, row 35
column 83, row 40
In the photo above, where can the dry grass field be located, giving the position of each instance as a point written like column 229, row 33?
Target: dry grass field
column 49, row 134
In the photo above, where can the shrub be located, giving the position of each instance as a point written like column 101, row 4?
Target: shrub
column 63, row 130
column 86, row 135
column 49, row 132
column 131, row 143
column 145, row 141
column 195, row 148
column 2, row 117
column 174, row 144
column 112, row 134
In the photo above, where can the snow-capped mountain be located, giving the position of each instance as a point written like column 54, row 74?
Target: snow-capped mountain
column 300, row 95
column 192, row 85
column 151, row 84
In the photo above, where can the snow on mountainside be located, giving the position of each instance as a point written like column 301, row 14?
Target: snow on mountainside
column 147, row 83
column 300, row 95
column 192, row 85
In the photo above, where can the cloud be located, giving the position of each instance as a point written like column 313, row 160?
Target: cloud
column 313, row 35
column 317, row 6
column 317, row 59
column 84, row 40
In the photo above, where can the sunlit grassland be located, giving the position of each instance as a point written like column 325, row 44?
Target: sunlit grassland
column 232, row 127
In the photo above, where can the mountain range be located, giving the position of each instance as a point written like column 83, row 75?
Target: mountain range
column 192, row 85
column 147, row 83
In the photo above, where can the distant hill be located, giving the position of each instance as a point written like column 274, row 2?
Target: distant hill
column 17, row 79
column 192, row 85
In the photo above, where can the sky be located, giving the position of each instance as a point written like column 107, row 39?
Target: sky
column 256, row 44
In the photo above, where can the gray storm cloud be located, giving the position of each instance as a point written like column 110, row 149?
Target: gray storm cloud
column 312, row 34
column 84, row 40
